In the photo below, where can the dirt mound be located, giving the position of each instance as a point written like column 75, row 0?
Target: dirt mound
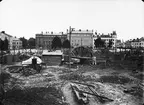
column 23, row 71
column 75, row 76
column 114, row 79
column 33, row 96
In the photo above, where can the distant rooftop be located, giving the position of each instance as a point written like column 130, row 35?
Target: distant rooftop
column 14, row 38
column 50, row 33
column 82, row 31
column 57, row 52
column 3, row 32
column 118, row 41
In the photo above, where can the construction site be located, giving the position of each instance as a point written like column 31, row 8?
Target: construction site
column 118, row 81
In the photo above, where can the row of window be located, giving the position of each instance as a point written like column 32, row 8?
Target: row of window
column 81, row 40
column 76, row 40
column 138, row 46
column 75, row 44
column 81, row 35
column 47, row 42
column 108, row 39
column 16, row 42
column 137, row 43
column 16, row 47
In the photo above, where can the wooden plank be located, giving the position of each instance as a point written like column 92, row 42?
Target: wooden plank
column 81, row 98
column 102, row 99
column 84, row 84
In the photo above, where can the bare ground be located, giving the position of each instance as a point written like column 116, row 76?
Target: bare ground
column 52, row 86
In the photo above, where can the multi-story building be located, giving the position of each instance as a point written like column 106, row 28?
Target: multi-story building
column 136, row 43
column 107, row 38
column 4, row 35
column 119, row 44
column 13, row 41
column 81, row 38
column 128, row 44
column 44, row 40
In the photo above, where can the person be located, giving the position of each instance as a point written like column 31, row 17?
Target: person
column 94, row 60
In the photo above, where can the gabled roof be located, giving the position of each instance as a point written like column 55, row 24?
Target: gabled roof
column 3, row 32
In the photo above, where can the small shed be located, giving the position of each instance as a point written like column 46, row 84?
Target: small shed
column 52, row 58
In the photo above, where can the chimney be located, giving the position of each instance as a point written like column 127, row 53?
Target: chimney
column 95, row 33
column 114, row 32
column 3, row 32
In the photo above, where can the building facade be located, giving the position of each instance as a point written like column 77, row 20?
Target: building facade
column 4, row 35
column 14, row 43
column 81, row 38
column 119, row 44
column 109, row 37
column 44, row 40
column 137, row 43
column 128, row 44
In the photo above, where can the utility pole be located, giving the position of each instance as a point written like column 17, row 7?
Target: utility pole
column 81, row 48
column 70, row 31
column 70, row 48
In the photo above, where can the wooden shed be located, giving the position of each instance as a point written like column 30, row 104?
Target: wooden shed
column 52, row 58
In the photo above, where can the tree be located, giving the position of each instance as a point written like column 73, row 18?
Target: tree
column 1, row 44
column 99, row 43
column 6, row 44
column 66, row 44
column 56, row 43
column 31, row 42
column 24, row 42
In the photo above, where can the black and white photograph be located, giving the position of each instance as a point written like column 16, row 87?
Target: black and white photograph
column 71, row 52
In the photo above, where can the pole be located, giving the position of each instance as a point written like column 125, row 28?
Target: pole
column 2, row 80
column 70, row 48
column 81, row 48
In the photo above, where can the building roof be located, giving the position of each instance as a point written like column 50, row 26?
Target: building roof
column 51, row 33
column 57, row 52
column 14, row 39
column 3, row 32
column 142, row 39
column 118, row 41
column 82, row 31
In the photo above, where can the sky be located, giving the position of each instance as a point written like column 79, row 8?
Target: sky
column 25, row 18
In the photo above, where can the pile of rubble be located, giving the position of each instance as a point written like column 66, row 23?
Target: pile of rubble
column 25, row 71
